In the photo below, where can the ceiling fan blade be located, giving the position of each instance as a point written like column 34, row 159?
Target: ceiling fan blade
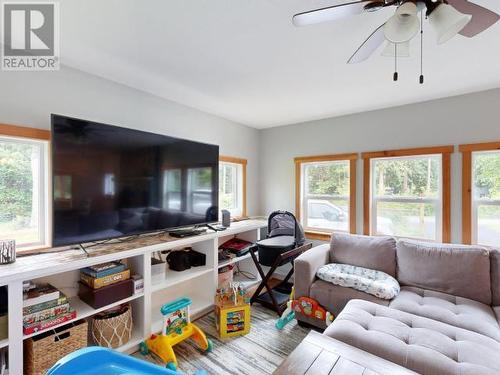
column 369, row 46
column 482, row 18
column 329, row 13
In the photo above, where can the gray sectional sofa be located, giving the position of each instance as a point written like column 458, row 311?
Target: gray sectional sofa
column 445, row 320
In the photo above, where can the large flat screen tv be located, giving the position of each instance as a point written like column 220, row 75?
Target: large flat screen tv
column 110, row 181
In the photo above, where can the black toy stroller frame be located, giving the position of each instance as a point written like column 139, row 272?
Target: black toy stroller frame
column 276, row 297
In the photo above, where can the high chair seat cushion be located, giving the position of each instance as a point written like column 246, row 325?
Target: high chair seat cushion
column 370, row 281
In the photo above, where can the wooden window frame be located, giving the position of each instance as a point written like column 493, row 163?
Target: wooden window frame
column 352, row 158
column 467, row 150
column 23, row 132
column 445, row 152
column 243, row 163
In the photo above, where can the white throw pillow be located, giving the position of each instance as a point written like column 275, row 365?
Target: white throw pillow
column 374, row 282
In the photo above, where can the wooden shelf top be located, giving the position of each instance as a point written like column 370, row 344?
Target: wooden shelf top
column 36, row 266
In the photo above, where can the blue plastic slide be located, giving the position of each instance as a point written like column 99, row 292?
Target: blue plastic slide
column 95, row 360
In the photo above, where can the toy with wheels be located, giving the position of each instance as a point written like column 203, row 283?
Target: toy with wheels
column 103, row 361
column 177, row 327
column 306, row 306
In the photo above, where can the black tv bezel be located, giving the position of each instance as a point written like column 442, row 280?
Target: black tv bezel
column 139, row 233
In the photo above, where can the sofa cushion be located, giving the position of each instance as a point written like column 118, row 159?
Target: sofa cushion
column 497, row 313
column 370, row 281
column 454, row 269
column 377, row 253
column 457, row 311
column 420, row 344
column 495, row 276
column 335, row 297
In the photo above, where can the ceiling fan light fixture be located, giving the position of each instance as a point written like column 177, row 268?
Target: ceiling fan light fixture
column 447, row 22
column 404, row 25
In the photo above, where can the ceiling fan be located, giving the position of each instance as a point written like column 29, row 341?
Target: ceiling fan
column 447, row 17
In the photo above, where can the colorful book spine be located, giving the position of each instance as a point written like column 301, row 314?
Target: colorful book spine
column 96, row 283
column 46, row 314
column 41, row 297
column 46, row 305
column 46, row 324
column 105, row 271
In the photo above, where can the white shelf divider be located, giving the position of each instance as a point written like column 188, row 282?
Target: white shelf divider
column 15, row 299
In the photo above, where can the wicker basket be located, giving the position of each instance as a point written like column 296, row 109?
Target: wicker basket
column 43, row 351
column 115, row 331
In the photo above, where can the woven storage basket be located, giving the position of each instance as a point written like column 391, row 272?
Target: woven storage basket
column 113, row 332
column 43, row 351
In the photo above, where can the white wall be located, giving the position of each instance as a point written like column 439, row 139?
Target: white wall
column 451, row 121
column 28, row 99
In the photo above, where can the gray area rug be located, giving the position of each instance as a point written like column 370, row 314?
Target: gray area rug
column 259, row 352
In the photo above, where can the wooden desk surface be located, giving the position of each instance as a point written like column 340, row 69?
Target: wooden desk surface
column 318, row 354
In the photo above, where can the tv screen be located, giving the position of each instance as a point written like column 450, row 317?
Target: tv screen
column 110, row 181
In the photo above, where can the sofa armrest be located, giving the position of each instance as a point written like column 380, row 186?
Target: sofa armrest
column 306, row 266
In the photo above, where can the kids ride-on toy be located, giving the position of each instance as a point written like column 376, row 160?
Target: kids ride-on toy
column 306, row 306
column 177, row 327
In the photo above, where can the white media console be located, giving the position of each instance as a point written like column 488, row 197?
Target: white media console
column 62, row 270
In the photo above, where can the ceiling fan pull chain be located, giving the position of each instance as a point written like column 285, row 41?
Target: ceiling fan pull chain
column 421, row 79
column 395, row 76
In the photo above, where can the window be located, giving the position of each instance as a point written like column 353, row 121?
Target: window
column 481, row 193
column 199, row 190
column 109, row 184
column 232, row 185
column 23, row 188
column 325, row 185
column 172, row 189
column 407, row 193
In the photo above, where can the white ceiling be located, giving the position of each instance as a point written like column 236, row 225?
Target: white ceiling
column 245, row 61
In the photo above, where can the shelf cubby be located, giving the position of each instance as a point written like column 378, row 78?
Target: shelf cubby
column 84, row 311
column 173, row 278
column 200, row 290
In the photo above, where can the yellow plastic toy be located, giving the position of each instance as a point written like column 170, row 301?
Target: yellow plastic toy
column 177, row 327
column 232, row 311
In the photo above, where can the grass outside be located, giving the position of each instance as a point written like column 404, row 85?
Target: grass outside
column 22, row 235
column 406, row 219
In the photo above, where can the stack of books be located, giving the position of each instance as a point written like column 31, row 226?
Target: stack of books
column 44, row 306
column 235, row 247
column 105, row 274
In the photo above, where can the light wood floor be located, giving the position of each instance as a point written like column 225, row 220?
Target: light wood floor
column 259, row 352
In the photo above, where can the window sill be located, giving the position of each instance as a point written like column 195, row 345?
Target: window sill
column 33, row 250
column 315, row 235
